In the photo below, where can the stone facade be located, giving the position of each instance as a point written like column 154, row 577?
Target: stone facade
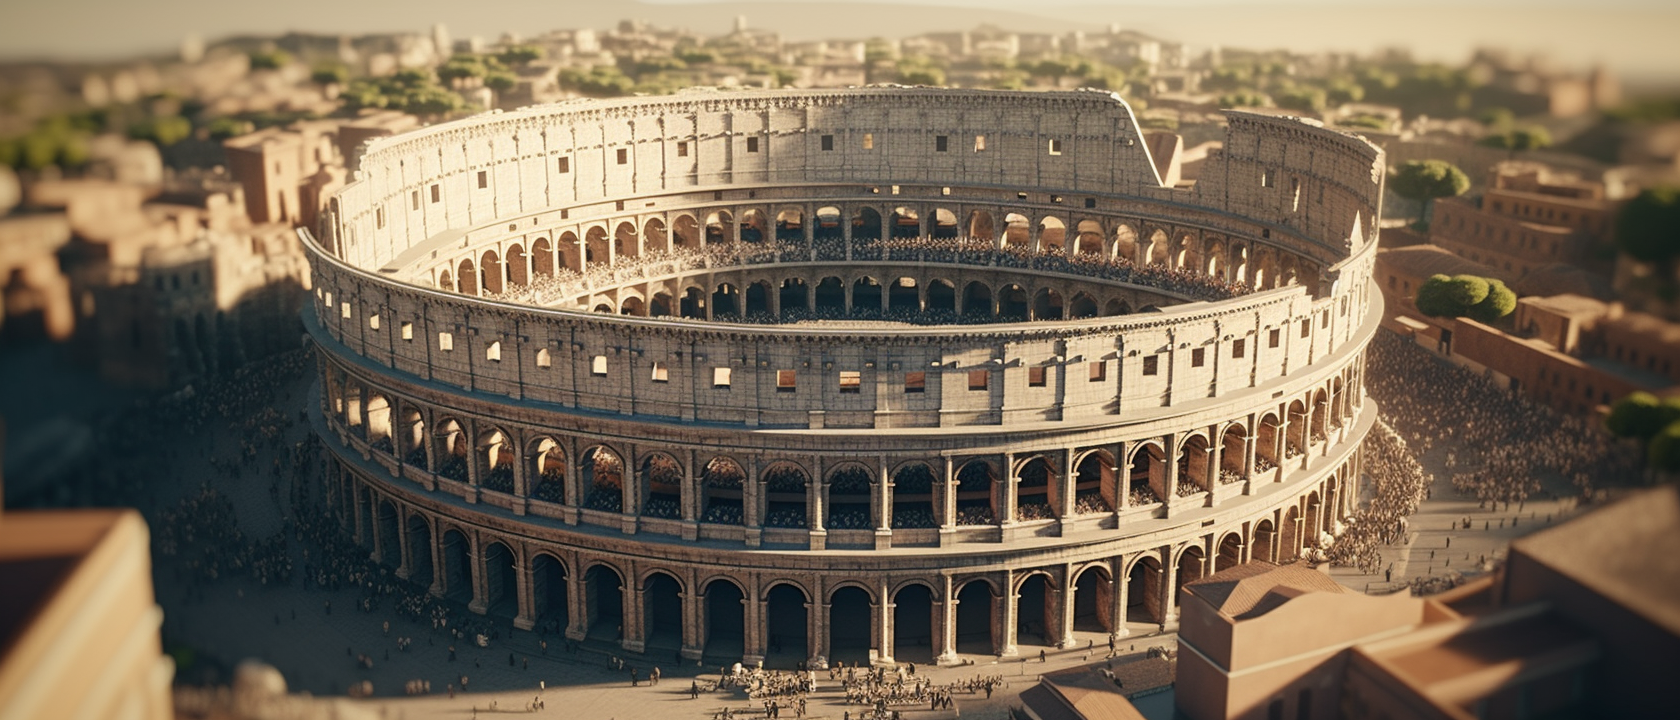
column 621, row 460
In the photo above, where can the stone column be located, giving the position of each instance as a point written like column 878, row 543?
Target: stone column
column 405, row 569
column 884, row 625
column 1006, row 492
column 1123, row 476
column 356, row 502
column 948, row 502
column 690, row 499
column 635, row 628
column 1067, row 504
column 1008, row 608
column 527, row 617
column 754, row 630
column 694, row 623
column 816, row 641
column 752, row 504
column 883, row 507
column 438, row 566
column 1066, row 595
column 1171, row 471
column 1118, row 596
column 480, row 584
column 577, row 604
column 945, row 631
column 1169, row 589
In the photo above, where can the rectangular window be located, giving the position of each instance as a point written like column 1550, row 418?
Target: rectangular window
column 827, row 143
column 623, row 156
column 373, row 322
column 1151, row 364
column 1238, row 347
column 786, row 380
column 682, row 148
column 1294, row 194
column 1198, row 357
column 379, row 218
column 752, row 144
column 869, row 141
column 660, row 372
column 1306, row 327
column 493, row 353
column 915, row 382
column 979, row 379
column 1055, row 147
column 720, row 377
column 344, row 310
column 598, row 366
column 1324, row 320
column 437, row 194
column 1272, row 338
column 940, row 143
column 1036, row 376
column 979, row 143
column 1099, row 371
column 851, row 381
column 408, row 331
column 446, row 341
column 483, row 179
column 1090, row 202
column 414, row 199
column 544, row 358
column 565, row 164
column 1265, row 178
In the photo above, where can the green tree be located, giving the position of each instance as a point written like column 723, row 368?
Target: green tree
column 461, row 67
column 1244, row 98
column 1664, row 451
column 1497, row 119
column 1638, row 415
column 1443, row 296
column 1301, row 99
column 162, row 131
column 333, row 74
column 226, row 127
column 520, row 55
column 270, row 59
column 1532, row 137
column 1648, row 228
column 501, row 81
column 1343, row 92
column 1426, row 180
column 1500, row 301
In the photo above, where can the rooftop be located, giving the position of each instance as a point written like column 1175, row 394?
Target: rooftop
column 1615, row 552
column 1253, row 589
column 1427, row 260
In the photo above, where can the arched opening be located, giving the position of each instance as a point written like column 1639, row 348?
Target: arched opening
column 500, row 580
column 693, row 304
column 903, row 297
column 848, row 504
column 980, row 225
column 419, row 551
column 867, row 224
column 1090, row 240
column 687, row 230
column 785, row 610
column 467, row 275
column 848, row 612
column 1232, row 449
column 790, row 226
column 912, row 497
column 603, row 480
column 942, row 224
column 720, row 227
column 1193, row 466
column 1143, row 591
column 445, row 281
column 1035, row 494
column 453, row 464
column 661, row 305
column 548, row 471
column 828, row 224
column 1012, row 303
column 1313, row 525
column 1148, row 477
column 758, row 299
column 866, row 295
column 634, row 307
column 785, row 486
column 626, row 244
column 1230, row 553
column 353, row 410
column 795, row 297
column 379, row 424
column 906, row 223
column 495, row 461
column 571, row 256
column 975, row 604
column 1017, row 232
column 604, row 598
column 1192, row 565
column 1035, row 622
column 975, row 494
column 1093, row 601
column 1265, row 444
column 1296, row 442
column 977, row 300
column 595, row 247
column 603, row 308
column 662, row 484
column 1117, row 306
column 542, row 257
column 412, row 438
column 548, row 593
column 662, row 612
column 725, row 620
column 1047, row 305
column 457, row 566
column 1289, row 544
column 913, row 623
column 941, row 297
column 1320, row 417
column 1187, row 253
column 753, row 226
column 1082, row 306
column 654, row 238
column 517, row 267
column 1156, row 252
column 1125, row 244
column 1265, row 541
column 722, row 481
column 1052, row 236
column 831, row 297
column 1094, row 484
column 490, row 272
column 726, row 301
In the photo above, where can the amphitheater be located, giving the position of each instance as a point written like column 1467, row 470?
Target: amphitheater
column 871, row 375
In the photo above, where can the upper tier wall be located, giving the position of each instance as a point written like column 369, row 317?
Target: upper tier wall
column 1316, row 185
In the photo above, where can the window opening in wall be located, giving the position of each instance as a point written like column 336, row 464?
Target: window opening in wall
column 1020, row 196
column 1238, row 347
column 1265, row 178
column 178, row 287
column 1294, row 194
column 623, row 156
column 598, row 366
column 1099, row 371
column 869, row 141
column 373, row 322
column 344, row 310
column 437, row 194
column 483, row 179
column 1090, row 202
column 1055, row 147
column 752, row 144
column 408, row 331
column 895, row 189
column 1151, row 364
column 940, row 143
column 446, row 341
column 944, row 191
column 414, row 198
column 682, row 148
column 379, row 218
column 544, row 358
column 1324, row 320
column 1197, row 357
column 660, row 372
column 851, row 381
column 979, row 379
column 1306, row 326
column 493, row 352
column 915, row 382
column 720, row 377
column 1272, row 340
column 565, row 164
column 786, row 381
column 1036, row 376
column 827, row 143
column 979, row 143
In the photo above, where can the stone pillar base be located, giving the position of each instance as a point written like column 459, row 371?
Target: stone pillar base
column 752, row 660
column 403, row 573
column 947, row 660
column 819, row 539
column 569, row 515
column 635, row 646
column 754, row 537
column 478, row 607
column 524, row 623
column 690, row 531
column 947, row 536
column 693, row 653
column 520, row 506
column 577, row 634
column 628, row 525
column 817, row 662
column 1010, row 651
column 883, row 538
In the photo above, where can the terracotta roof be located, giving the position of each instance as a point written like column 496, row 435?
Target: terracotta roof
column 1621, row 551
column 1426, row 260
column 1252, row 589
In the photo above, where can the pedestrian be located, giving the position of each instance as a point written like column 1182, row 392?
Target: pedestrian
column 1449, row 541
column 694, row 690
column 1041, row 657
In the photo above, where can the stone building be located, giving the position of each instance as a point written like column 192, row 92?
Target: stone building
column 1527, row 219
column 865, row 375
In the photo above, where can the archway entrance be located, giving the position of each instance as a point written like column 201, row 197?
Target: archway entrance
column 549, row 592
column 1033, row 622
column 848, row 626
column 501, row 581
column 913, row 625
column 605, row 601
column 419, row 552
column 662, row 609
column 457, row 566
column 785, row 624
column 1093, row 601
column 725, row 620
column 974, row 619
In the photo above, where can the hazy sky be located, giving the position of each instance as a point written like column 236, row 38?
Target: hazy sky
column 1634, row 36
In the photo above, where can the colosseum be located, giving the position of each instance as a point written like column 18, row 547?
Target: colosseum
column 874, row 374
